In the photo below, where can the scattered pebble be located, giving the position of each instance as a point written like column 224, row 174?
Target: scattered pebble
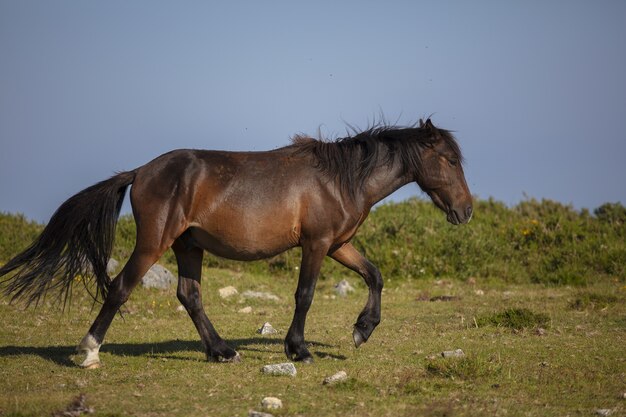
column 479, row 292
column 228, row 291
column 112, row 266
column 343, row 288
column 287, row 368
column 603, row 412
column 540, row 331
column 158, row 277
column 180, row 308
column 272, row 403
column 246, row 310
column 259, row 294
column 266, row 329
column 458, row 353
column 253, row 413
column 336, row 378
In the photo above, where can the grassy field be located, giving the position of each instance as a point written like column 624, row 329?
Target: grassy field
column 534, row 295
column 530, row 350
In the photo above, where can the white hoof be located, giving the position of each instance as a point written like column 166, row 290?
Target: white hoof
column 234, row 359
column 91, row 348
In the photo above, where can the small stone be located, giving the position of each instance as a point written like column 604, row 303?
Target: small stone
column 540, row 331
column 266, row 329
column 112, row 266
column 260, row 295
column 287, row 368
column 343, row 288
column 336, row 378
column 458, row 353
column 479, row 292
column 180, row 308
column 272, row 403
column 245, row 310
column 228, row 291
column 253, row 413
column 158, row 277
column 603, row 412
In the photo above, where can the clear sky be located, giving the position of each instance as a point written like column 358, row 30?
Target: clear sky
column 535, row 90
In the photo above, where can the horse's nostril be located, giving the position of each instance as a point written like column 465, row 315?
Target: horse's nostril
column 468, row 212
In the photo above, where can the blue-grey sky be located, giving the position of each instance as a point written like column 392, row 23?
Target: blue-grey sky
column 535, row 90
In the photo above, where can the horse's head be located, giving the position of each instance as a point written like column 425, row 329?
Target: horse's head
column 441, row 173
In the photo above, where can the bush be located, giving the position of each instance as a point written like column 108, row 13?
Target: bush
column 536, row 241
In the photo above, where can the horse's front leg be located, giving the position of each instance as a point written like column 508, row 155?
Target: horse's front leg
column 312, row 257
column 369, row 318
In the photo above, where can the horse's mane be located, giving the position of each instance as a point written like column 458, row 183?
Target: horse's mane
column 352, row 159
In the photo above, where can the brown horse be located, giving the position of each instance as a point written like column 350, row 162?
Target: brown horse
column 244, row 206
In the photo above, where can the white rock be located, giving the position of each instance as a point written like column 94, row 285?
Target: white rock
column 228, row 291
column 245, row 310
column 603, row 412
column 112, row 266
column 286, row 368
column 336, row 378
column 158, row 277
column 343, row 288
column 266, row 329
column 180, row 308
column 272, row 403
column 253, row 413
column 458, row 353
column 260, row 295
column 479, row 292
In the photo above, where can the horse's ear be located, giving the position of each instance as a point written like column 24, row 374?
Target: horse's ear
column 421, row 123
column 428, row 124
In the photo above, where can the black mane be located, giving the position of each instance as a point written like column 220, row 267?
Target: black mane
column 352, row 159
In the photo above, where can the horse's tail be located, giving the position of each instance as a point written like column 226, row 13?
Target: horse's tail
column 75, row 245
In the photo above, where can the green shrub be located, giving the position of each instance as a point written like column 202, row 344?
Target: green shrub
column 543, row 242
column 515, row 318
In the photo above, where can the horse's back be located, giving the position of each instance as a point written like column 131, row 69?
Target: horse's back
column 241, row 205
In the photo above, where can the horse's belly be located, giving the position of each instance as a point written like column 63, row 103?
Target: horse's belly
column 241, row 247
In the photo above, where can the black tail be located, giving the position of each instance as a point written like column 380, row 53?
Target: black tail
column 77, row 241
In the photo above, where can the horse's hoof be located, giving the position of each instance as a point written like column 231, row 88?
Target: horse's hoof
column 307, row 359
column 358, row 338
column 92, row 365
column 234, row 359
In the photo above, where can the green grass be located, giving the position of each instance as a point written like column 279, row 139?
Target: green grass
column 542, row 242
column 592, row 301
column 153, row 364
column 515, row 318
column 484, row 288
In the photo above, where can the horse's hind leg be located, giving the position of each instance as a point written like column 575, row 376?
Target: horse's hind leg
column 189, row 259
column 369, row 318
column 119, row 291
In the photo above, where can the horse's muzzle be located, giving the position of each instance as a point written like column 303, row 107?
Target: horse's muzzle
column 460, row 216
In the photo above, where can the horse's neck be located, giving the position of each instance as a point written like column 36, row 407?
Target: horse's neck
column 383, row 181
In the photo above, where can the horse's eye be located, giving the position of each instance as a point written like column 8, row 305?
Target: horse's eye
column 453, row 162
